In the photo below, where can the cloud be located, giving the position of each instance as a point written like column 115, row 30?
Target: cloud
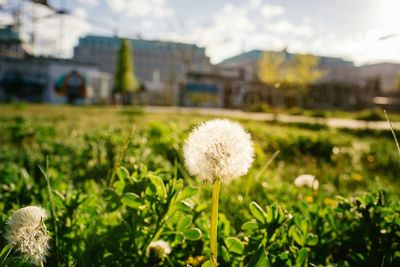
column 269, row 10
column 141, row 8
column 224, row 33
column 364, row 47
column 286, row 27
column 89, row 2
column 236, row 28
column 57, row 35
column 255, row 3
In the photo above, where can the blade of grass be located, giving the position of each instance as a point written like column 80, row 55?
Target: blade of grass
column 6, row 251
column 393, row 133
column 267, row 164
column 52, row 206
column 121, row 155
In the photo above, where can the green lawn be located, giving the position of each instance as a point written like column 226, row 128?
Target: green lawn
column 96, row 155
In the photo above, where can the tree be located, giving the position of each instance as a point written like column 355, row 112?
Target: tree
column 304, row 71
column 271, row 68
column 299, row 72
column 125, row 82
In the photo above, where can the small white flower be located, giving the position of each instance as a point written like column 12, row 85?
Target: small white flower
column 218, row 149
column 160, row 248
column 306, row 180
column 27, row 234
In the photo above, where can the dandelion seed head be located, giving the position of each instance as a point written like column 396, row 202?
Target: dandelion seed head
column 218, row 149
column 159, row 248
column 26, row 233
column 307, row 180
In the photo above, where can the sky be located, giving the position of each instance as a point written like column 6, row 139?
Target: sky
column 352, row 29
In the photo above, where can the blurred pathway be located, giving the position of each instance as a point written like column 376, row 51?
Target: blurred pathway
column 260, row 116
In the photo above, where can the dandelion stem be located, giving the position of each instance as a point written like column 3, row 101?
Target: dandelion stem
column 41, row 264
column 214, row 222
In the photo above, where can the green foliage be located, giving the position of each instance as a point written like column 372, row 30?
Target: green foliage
column 125, row 80
column 277, row 70
column 371, row 115
column 264, row 219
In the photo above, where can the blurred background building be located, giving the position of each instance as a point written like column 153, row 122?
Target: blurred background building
column 53, row 80
column 159, row 65
column 172, row 73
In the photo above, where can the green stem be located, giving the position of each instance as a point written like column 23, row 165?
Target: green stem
column 7, row 248
column 52, row 207
column 41, row 264
column 121, row 156
column 214, row 222
column 393, row 133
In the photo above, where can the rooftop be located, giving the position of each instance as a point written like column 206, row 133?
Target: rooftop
column 255, row 55
column 136, row 43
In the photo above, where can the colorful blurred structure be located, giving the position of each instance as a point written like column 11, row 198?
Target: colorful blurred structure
column 52, row 80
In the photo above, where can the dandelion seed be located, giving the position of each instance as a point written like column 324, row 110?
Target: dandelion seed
column 159, row 248
column 27, row 234
column 218, row 149
column 306, row 180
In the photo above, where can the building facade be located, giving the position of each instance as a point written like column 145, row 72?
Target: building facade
column 11, row 44
column 52, row 80
column 385, row 75
column 160, row 66
column 334, row 69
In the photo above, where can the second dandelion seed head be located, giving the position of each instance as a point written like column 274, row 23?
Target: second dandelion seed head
column 27, row 233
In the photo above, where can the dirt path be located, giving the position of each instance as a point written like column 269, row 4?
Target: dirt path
column 259, row 116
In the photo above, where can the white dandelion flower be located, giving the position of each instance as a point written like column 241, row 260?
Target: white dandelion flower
column 159, row 248
column 27, row 234
column 218, row 149
column 307, row 180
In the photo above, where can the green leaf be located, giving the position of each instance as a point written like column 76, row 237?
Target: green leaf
column 296, row 234
column 122, row 173
column 225, row 253
column 185, row 205
column 284, row 255
column 257, row 212
column 234, row 245
column 250, row 225
column 206, row 264
column 119, row 186
column 312, row 239
column 188, row 192
column 192, row 234
column 301, row 257
column 270, row 214
column 304, row 226
column 132, row 200
column 184, row 222
column 111, row 198
column 159, row 185
column 259, row 259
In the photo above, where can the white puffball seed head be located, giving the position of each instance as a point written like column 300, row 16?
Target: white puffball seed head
column 160, row 248
column 27, row 234
column 218, row 149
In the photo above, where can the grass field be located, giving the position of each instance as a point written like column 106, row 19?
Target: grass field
column 118, row 183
